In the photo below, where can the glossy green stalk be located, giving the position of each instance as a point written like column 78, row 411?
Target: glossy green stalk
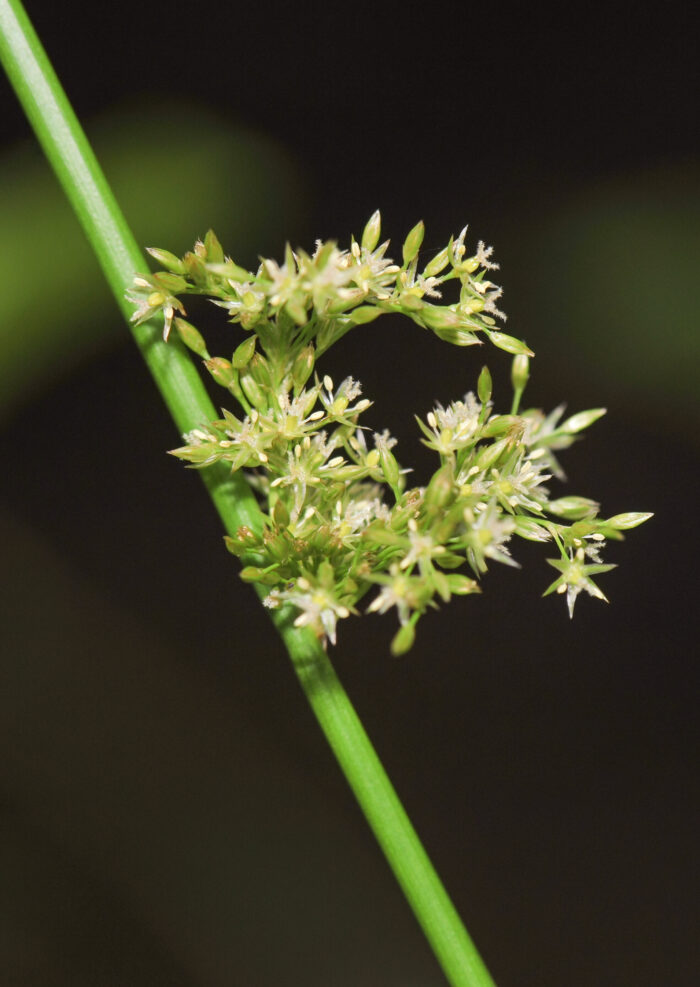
column 68, row 151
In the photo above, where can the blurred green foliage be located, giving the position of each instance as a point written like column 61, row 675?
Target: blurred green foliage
column 610, row 276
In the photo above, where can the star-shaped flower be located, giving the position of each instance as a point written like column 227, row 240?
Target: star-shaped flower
column 575, row 576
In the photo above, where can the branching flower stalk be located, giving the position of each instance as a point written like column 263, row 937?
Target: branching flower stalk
column 339, row 518
column 337, row 492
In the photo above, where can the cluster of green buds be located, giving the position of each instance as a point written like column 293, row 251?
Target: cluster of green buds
column 341, row 522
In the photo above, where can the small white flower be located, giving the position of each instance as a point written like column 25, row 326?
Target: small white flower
column 461, row 416
column 283, row 284
column 247, row 303
column 518, row 488
column 373, row 273
column 338, row 402
column 397, row 592
column 488, row 530
column 149, row 299
column 300, row 475
column 350, row 519
column 417, row 284
column 319, row 608
column 250, row 435
column 329, row 279
column 455, row 426
column 576, row 576
column 384, row 441
column 293, row 418
column 422, row 550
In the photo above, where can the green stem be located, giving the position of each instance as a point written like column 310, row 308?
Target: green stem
column 68, row 151
column 386, row 816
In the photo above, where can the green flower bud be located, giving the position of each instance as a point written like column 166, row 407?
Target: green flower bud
column 302, row 367
column 166, row 259
column 573, row 508
column 437, row 317
column 251, row 389
column 364, row 314
column 403, row 640
column 457, row 336
column 520, row 372
column 490, row 455
column 221, row 370
column 277, row 547
column 253, row 574
column 412, row 242
column 195, row 269
column 191, row 337
column 372, row 231
column 462, row 585
column 280, row 514
column 410, row 302
column 498, row 425
column 484, row 386
column 389, row 466
column 243, row 353
column 260, row 369
column 508, row 343
column 215, row 253
column 437, row 264
column 242, row 542
column 581, row 420
column 440, row 490
column 621, row 522
column 530, row 529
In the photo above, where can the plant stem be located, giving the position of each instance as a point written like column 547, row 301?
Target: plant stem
column 386, row 816
column 76, row 167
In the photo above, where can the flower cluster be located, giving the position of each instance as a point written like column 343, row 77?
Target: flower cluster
column 320, row 296
column 340, row 521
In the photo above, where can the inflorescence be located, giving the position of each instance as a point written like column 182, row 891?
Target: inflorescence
column 340, row 520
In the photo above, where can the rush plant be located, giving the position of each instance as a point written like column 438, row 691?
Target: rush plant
column 321, row 515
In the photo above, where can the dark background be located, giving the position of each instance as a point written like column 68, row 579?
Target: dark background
column 170, row 814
